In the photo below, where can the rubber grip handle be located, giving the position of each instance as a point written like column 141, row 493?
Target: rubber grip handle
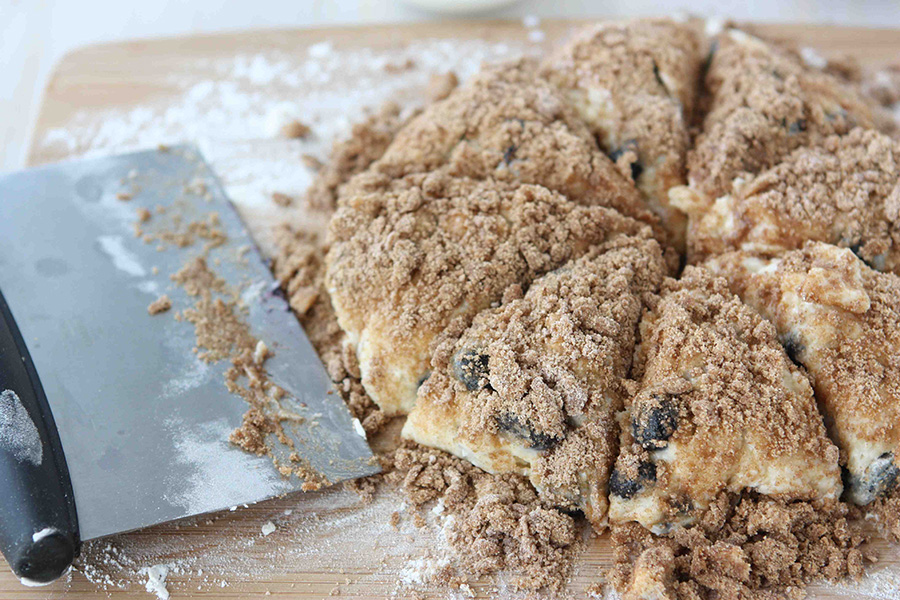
column 38, row 523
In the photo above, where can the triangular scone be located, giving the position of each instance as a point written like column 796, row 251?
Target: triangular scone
column 508, row 124
column 534, row 386
column 845, row 191
column 841, row 320
column 720, row 407
column 406, row 260
column 634, row 85
column 763, row 103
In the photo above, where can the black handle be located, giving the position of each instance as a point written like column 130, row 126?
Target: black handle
column 38, row 523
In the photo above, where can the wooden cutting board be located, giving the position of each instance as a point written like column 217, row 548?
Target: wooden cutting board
column 328, row 544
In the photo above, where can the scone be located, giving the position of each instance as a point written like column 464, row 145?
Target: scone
column 763, row 102
column 634, row 84
column 840, row 319
column 408, row 259
column 720, row 407
column 509, row 124
column 534, row 386
column 845, row 191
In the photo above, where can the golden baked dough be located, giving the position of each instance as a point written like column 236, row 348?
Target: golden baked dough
column 720, row 408
column 634, row 84
column 509, row 124
column 845, row 191
column 841, row 321
column 533, row 386
column 763, row 102
column 408, row 259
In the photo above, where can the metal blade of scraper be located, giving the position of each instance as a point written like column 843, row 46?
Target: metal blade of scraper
column 144, row 423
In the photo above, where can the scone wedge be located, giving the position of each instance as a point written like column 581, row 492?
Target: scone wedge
column 634, row 84
column 534, row 385
column 719, row 408
column 840, row 319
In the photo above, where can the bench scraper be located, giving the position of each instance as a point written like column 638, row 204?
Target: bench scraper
column 109, row 420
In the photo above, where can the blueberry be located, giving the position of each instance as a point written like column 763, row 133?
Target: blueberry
column 793, row 347
column 881, row 477
column 516, row 427
column 629, row 146
column 509, row 154
column 877, row 262
column 654, row 423
column 623, row 487
column 471, row 368
column 797, row 126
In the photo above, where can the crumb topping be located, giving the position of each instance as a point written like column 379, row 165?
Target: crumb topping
column 763, row 103
column 633, row 83
column 508, row 124
column 844, row 192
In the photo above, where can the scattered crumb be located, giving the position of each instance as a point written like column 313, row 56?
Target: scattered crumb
column 440, row 85
column 143, row 215
column 282, row 199
column 268, row 528
column 124, row 196
column 160, row 305
column 295, row 130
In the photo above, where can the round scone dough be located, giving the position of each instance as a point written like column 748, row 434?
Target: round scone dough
column 534, row 386
column 509, row 124
column 763, row 103
column 720, row 407
column 634, row 84
column 845, row 191
column 841, row 320
column 409, row 258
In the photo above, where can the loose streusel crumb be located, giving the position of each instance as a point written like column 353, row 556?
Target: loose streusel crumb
column 282, row 200
column 160, row 305
column 745, row 547
column 295, row 130
column 367, row 142
column 492, row 523
column 440, row 85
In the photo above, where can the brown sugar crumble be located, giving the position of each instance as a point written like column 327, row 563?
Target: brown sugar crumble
column 295, row 130
column 160, row 305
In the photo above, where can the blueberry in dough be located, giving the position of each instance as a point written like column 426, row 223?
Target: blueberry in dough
column 630, row 146
column 513, row 425
column 653, row 425
column 793, row 347
column 471, row 368
column 620, row 485
column 880, row 477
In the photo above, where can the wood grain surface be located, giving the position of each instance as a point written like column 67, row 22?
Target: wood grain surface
column 329, row 544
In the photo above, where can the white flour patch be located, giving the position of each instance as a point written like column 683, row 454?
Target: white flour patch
column 156, row 581
column 221, row 474
column 123, row 258
column 18, row 434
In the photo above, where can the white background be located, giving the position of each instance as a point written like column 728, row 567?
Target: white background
column 35, row 34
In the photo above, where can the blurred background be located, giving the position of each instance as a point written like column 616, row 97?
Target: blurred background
column 35, row 34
